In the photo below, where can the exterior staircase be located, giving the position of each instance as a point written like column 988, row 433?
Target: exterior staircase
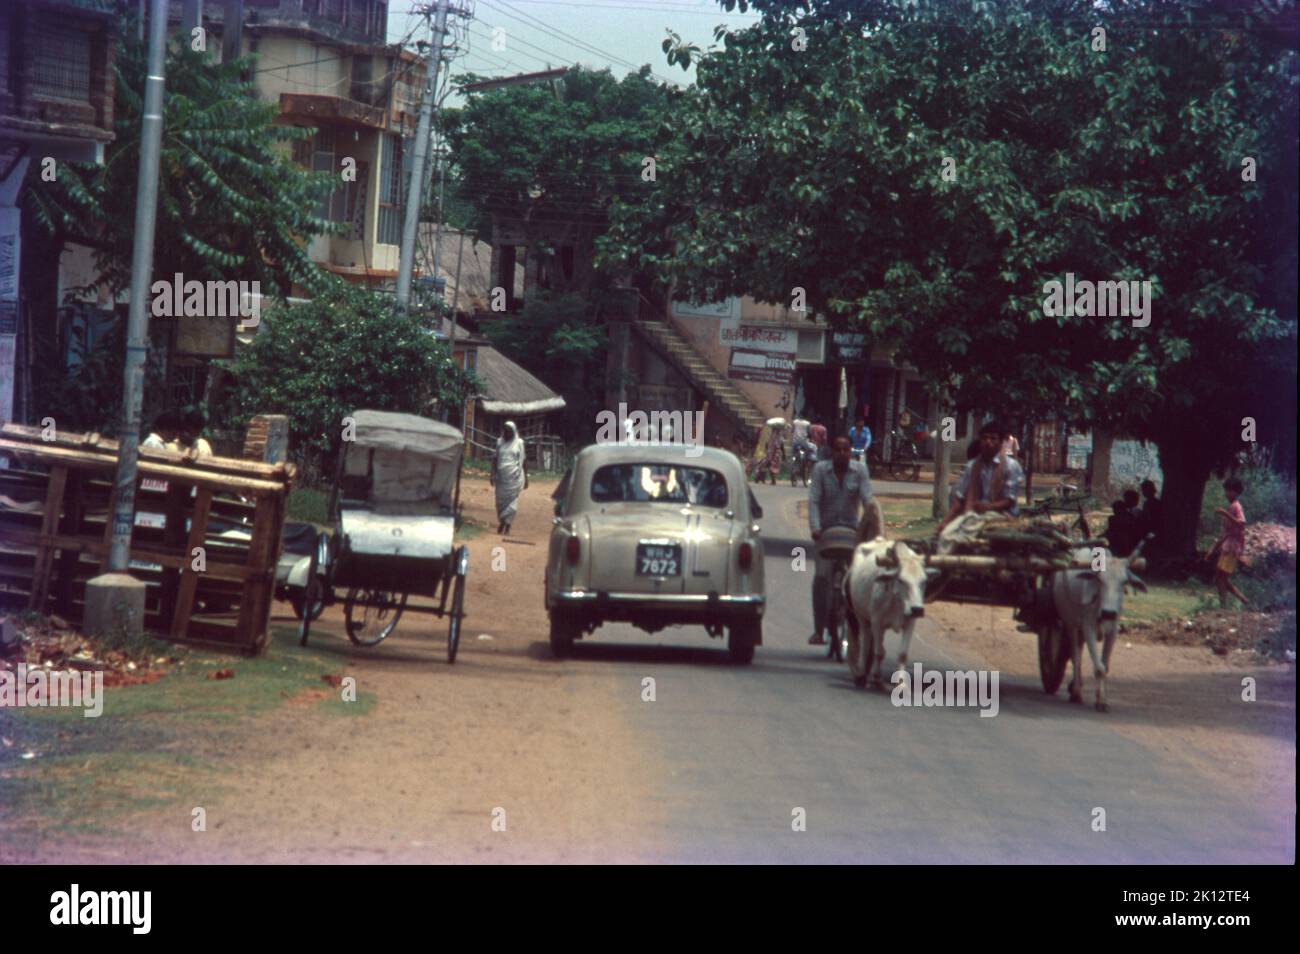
column 722, row 395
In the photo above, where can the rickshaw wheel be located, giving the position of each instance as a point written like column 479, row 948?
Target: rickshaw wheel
column 457, row 611
column 372, row 623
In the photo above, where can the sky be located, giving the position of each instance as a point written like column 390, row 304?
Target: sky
column 614, row 34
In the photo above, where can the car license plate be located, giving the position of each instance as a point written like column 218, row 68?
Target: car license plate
column 654, row 559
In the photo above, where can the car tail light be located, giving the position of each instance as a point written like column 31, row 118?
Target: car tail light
column 746, row 556
column 572, row 550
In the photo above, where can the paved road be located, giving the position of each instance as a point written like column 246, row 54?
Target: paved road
column 747, row 746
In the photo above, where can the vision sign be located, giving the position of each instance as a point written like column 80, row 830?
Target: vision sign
column 771, row 367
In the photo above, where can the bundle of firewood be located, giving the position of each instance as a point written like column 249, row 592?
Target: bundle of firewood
column 996, row 537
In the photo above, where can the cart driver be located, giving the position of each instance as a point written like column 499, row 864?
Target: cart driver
column 990, row 482
column 837, row 489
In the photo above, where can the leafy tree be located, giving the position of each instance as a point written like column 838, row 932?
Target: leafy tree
column 559, row 340
column 318, row 361
column 231, row 204
column 824, row 168
column 556, row 154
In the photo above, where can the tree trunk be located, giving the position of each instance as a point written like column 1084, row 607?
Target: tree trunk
column 1186, row 470
column 942, row 453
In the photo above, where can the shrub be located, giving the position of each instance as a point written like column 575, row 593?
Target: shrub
column 1267, row 497
column 347, row 349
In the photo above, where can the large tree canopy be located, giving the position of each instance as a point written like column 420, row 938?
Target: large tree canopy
column 922, row 169
column 231, row 204
column 556, row 154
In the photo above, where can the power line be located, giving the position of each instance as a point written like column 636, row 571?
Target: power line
column 655, row 7
column 525, row 19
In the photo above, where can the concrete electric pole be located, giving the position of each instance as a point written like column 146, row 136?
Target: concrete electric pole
column 415, row 183
column 115, row 599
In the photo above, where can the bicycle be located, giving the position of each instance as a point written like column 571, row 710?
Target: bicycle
column 838, row 544
column 801, row 461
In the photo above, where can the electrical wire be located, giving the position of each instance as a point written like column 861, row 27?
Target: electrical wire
column 529, row 20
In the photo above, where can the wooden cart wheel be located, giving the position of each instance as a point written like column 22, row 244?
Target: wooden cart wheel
column 1052, row 656
column 457, row 611
column 372, row 615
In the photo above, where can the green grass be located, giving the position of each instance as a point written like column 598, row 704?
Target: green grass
column 308, row 505
column 912, row 512
column 135, row 756
column 1163, row 601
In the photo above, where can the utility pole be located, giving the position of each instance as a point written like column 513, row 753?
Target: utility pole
column 114, row 599
column 232, row 30
column 415, row 184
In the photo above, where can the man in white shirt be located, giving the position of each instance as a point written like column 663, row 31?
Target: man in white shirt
column 166, row 430
column 990, row 481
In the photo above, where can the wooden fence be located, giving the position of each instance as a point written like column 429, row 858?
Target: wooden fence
column 56, row 502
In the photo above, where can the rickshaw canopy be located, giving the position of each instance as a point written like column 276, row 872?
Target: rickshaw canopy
column 406, row 458
column 407, row 432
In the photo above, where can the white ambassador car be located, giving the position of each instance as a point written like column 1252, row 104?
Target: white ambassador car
column 649, row 535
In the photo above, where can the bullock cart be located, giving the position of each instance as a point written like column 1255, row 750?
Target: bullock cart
column 394, row 504
column 995, row 560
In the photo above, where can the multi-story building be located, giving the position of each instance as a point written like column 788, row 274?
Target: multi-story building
column 56, row 105
column 328, row 64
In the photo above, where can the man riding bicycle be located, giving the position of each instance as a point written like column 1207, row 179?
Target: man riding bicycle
column 840, row 488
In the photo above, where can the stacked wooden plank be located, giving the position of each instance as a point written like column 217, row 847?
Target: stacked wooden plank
column 56, row 498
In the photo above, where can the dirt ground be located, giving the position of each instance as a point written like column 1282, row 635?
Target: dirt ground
column 418, row 777
column 1184, row 702
column 1175, row 689
column 457, row 743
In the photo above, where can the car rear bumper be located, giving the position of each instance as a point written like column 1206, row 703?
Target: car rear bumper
column 656, row 611
column 664, row 600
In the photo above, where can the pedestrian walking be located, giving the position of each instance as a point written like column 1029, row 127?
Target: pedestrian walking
column 509, row 475
column 1231, row 543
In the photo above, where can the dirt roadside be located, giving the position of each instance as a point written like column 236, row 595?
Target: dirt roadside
column 420, row 776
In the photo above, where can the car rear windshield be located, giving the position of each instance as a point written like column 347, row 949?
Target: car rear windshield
column 659, row 483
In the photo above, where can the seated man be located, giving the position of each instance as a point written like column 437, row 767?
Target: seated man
column 989, row 483
column 1120, row 528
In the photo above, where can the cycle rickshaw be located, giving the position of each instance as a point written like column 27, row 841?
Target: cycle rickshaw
column 394, row 505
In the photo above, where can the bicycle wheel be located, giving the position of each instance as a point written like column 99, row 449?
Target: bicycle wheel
column 457, row 611
column 372, row 615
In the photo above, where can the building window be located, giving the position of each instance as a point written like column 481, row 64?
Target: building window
column 61, row 62
column 392, row 168
column 363, row 89
column 334, row 206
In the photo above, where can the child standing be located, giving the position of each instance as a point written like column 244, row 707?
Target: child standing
column 1231, row 543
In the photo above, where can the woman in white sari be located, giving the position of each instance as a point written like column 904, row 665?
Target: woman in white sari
column 509, row 475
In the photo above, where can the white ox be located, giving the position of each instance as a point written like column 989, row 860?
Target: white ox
column 1089, row 602
column 881, row 598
